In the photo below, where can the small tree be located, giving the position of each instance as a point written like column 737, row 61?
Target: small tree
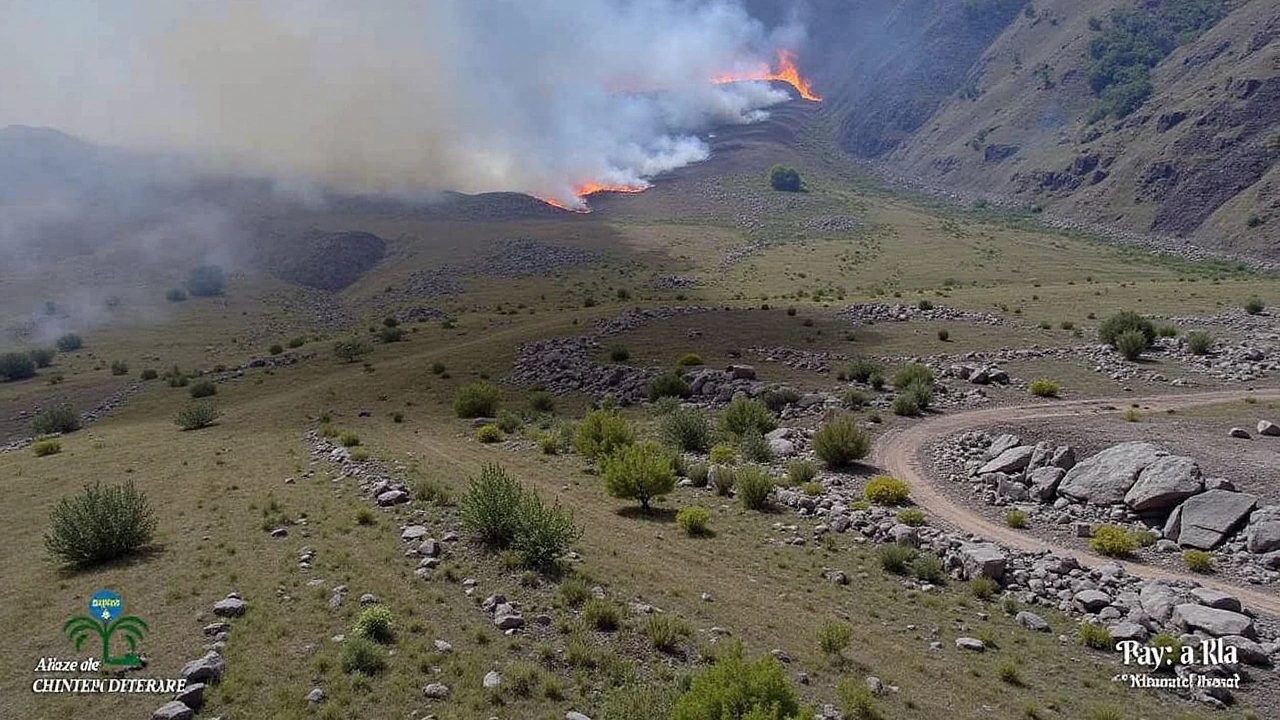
column 543, row 532
column 1124, row 321
column 477, row 400
column 840, row 442
column 351, row 350
column 640, row 472
column 206, row 281
column 784, row 179
column 491, row 507
column 42, row 357
column 741, row 415
column 737, row 688
column 16, row 366
column 101, row 523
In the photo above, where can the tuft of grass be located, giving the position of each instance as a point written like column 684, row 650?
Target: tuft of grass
column 800, row 472
column 911, row 516
column 1254, row 305
column 1199, row 342
column 360, row 655
column 348, row 439
column 689, row 360
column 983, row 588
column 834, row 637
column 1008, row 673
column 693, row 520
column 754, row 485
column 1094, row 636
column 1044, row 388
column 1197, row 561
column 928, row 567
column 1131, row 415
column 1015, row 519
column 602, row 615
column 665, row 631
column 44, row 448
column 1112, row 541
column 619, row 353
column 895, row 558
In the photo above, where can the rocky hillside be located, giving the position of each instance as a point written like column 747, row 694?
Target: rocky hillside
column 1152, row 115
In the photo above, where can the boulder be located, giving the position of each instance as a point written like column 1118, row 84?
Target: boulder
column 1165, row 483
column 436, row 691
column 229, row 607
column 492, row 679
column 1158, row 600
column 1009, row 461
column 1263, row 534
column 1193, row 616
column 192, row 696
column 1001, row 444
column 1092, row 600
column 207, row 669
column 1247, row 651
column 1044, row 482
column 1239, row 432
column 1205, row 520
column 781, row 447
column 1268, row 428
column 315, row 696
column 1031, row 621
column 173, row 710
column 1128, row 631
column 1064, row 457
column 968, row 643
column 392, row 497
column 1105, row 478
column 413, row 532
column 742, row 372
column 1012, row 490
column 1215, row 599
column 983, row 558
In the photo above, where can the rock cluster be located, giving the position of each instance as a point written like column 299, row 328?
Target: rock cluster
column 206, row 670
column 512, row 258
column 871, row 313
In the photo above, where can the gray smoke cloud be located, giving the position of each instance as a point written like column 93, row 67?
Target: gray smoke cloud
column 533, row 96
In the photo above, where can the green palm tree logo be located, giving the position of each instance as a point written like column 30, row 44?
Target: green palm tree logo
column 104, row 620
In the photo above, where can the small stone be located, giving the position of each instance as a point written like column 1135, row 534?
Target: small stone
column 280, row 532
column 413, row 532
column 1268, row 428
column 369, row 599
column 315, row 696
column 443, row 646
column 192, row 696
column 1031, row 621
column 492, row 679
column 573, row 715
column 436, row 691
column 1239, row 432
column 230, row 607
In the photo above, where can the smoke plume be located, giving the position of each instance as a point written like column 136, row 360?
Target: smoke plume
column 537, row 96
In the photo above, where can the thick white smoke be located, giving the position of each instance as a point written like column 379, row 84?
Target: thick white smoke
column 534, row 96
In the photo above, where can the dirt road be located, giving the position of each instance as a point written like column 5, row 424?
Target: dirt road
column 898, row 452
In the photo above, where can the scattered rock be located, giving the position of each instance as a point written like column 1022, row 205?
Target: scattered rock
column 229, row 607
column 968, row 643
column 315, row 696
column 1268, row 428
column 436, row 691
column 1191, row 616
column 173, row 710
column 1239, row 432
column 1031, row 621
column 205, row 670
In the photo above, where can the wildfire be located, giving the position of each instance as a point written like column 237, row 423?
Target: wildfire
column 786, row 72
column 591, row 188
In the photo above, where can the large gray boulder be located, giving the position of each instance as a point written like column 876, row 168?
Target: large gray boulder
column 1092, row 600
column 1105, row 478
column 1001, row 444
column 1205, row 520
column 1044, row 483
column 1193, row 616
column 1165, row 483
column 205, row 670
column 1158, row 600
column 1263, row 535
column 1010, row 461
column 173, row 710
column 983, row 558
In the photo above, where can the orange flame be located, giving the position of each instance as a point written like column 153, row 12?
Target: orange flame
column 787, row 72
column 591, row 188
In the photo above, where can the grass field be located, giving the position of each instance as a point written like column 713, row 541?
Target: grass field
column 218, row 491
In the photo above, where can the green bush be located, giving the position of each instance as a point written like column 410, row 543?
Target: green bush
column 297, row 342
column 856, row 700
column 754, row 486
column 689, row 360
column 854, row 399
column 478, row 399
column 741, row 415
column 491, row 507
column 1044, row 388
column 668, row 384
column 737, row 689
column 1254, row 305
column 693, row 520
column 119, row 367
column 1015, row 519
column 69, row 343
column 944, row 335
column 489, row 433
column 601, row 614
column 778, row 398
column 885, row 490
column 351, row 350
column 895, row 558
column 541, row 401
column 101, row 523
column 203, row 388
column 390, row 334
column 928, row 567
column 911, row 516
column 861, row 370
column 1112, row 541
column 834, row 637
column 543, row 532
column 602, row 433
column 430, row 489
column 917, row 394
column 16, row 366
column 55, row 420
column 1166, row 330
column 348, row 439
column 42, row 357
column 726, row 479
column 196, row 415
column 983, row 588
column 1095, row 636
column 1197, row 560
column 698, row 474
column 913, row 374
column 363, row 656
column 722, row 454
column 619, row 353
column 374, row 623
column 755, row 447
column 175, row 295
column 905, row 405
column 1125, row 321
column 840, row 442
column 1199, row 342
column 206, row 281
column 44, row 448
column 276, row 349
column 508, row 422
column 665, row 631
column 811, row 488
column 149, row 374
column 687, row 429
column 573, row 592
column 800, row 472
column 1130, row 344
column 640, row 472
column 784, row 179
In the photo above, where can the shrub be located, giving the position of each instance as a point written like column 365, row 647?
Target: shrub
column 698, row 473
column 1015, row 519
column 664, row 631
column 911, row 516
column 944, row 335
column 754, row 486
column 1173, row 646
column 812, row 489
column 351, row 350
column 276, row 349
column 1044, row 388
column 905, row 405
column 725, row 480
column 861, row 370
column 1095, row 636
column 600, row 614
column 1008, row 673
column 755, row 447
column 489, row 433
column 374, row 623
column 800, row 472
column 885, row 490
column 390, row 334
column 784, row 179
column 478, row 399
column 101, row 523
column 55, row 420
column 397, row 417
column 543, row 532
column 840, row 442
column 149, row 374
column 1125, row 321
column 1254, row 305
column 895, row 558
column 983, row 588
column 359, row 454
column 541, row 401
column 876, row 380
column 741, row 415
column 206, row 281
column 1131, row 415
column 1197, row 560
column 854, row 399
column 490, row 509
column 913, row 374
column 297, row 342
column 619, row 353
column 668, row 384
column 437, row 368
column 856, row 700
column 639, row 472
column 69, row 343
column 689, row 360
column 46, row 447
column 175, row 295
column 16, row 366
column 1112, row 541
column 779, row 398
column 1130, row 344
column 928, row 567
column 693, row 520
column 430, row 489
column 203, row 388
column 573, row 592
column 601, row 433
column 348, row 439
column 736, row 688
column 834, row 636
column 1199, row 342
column 722, row 454
column 363, row 656
column 508, row 422
column 918, row 393
column 42, row 357
column 686, row 429
column 1166, row 330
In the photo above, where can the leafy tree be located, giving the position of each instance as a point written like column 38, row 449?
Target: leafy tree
column 785, row 179
column 16, row 366
column 69, row 343
column 639, row 472
column 42, row 357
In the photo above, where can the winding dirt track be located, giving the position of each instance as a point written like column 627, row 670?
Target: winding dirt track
column 899, row 451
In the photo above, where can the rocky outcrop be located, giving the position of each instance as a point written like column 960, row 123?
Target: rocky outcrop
column 1205, row 520
column 1107, row 477
column 1164, row 483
